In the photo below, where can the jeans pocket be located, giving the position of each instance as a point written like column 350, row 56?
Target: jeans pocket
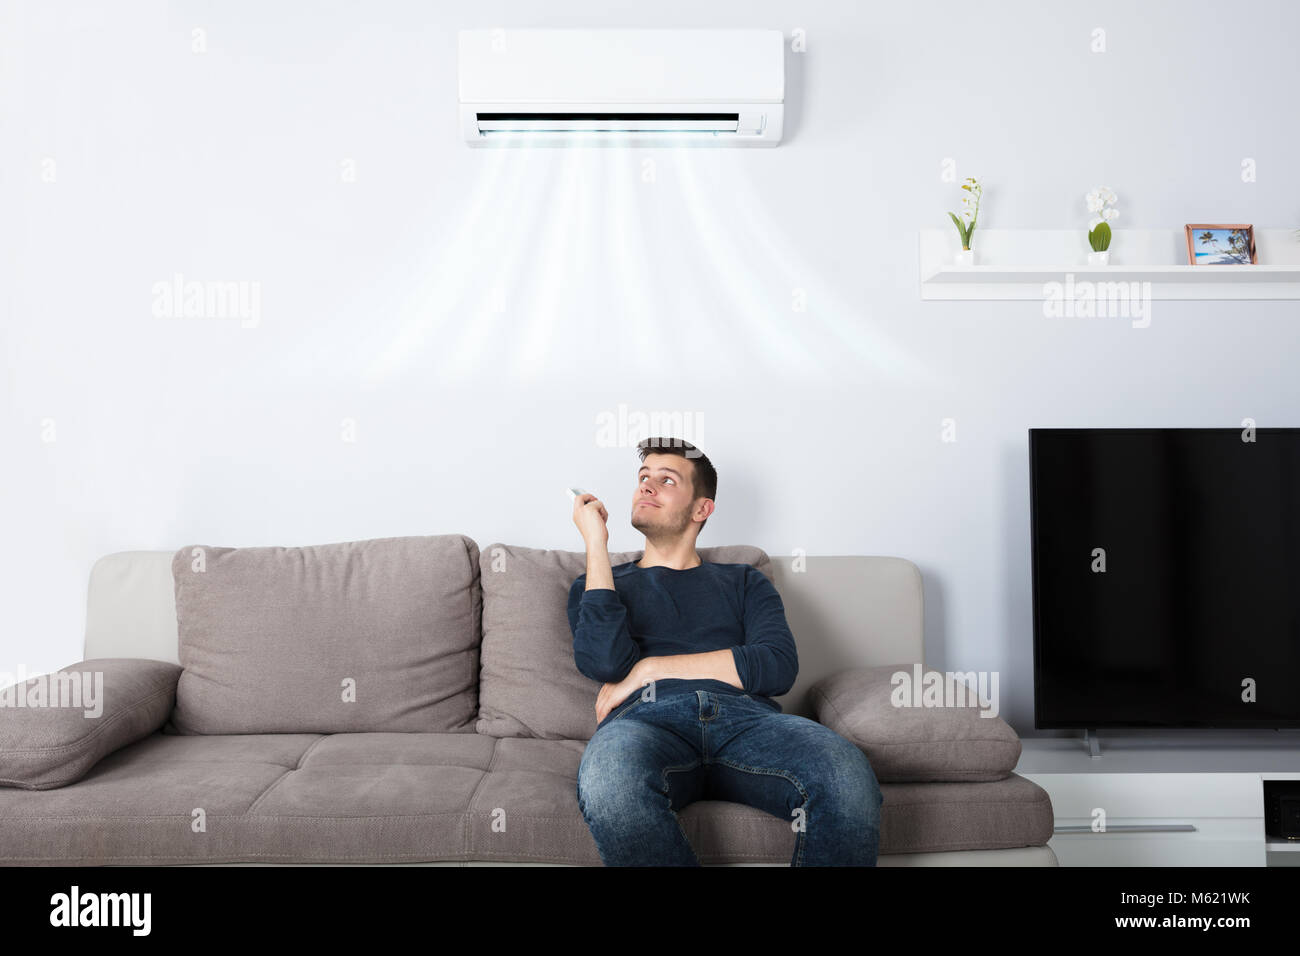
column 633, row 699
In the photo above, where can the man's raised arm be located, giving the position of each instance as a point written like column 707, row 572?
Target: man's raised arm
column 603, row 648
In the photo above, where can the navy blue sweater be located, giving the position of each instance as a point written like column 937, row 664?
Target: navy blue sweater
column 657, row 611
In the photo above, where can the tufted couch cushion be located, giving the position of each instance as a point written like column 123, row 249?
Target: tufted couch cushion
column 529, row 685
column 390, row 798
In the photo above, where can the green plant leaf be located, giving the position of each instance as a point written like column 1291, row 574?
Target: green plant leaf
column 961, row 230
column 1099, row 238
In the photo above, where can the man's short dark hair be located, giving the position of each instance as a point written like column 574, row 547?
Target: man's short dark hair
column 704, row 479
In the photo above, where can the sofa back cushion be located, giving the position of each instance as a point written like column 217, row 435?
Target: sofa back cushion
column 529, row 685
column 360, row 636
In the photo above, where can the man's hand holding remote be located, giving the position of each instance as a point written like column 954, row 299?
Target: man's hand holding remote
column 590, row 516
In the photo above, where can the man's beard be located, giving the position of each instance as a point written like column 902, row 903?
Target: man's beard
column 663, row 532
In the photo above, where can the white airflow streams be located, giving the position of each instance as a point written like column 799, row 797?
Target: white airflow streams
column 615, row 87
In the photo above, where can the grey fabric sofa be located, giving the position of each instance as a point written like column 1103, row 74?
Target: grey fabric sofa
column 415, row 701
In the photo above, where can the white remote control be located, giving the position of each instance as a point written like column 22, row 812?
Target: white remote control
column 574, row 492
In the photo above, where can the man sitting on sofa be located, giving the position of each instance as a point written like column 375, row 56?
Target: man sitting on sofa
column 691, row 653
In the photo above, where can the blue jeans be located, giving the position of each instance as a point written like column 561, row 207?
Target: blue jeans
column 649, row 759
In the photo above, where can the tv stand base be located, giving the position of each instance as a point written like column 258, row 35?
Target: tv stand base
column 1092, row 742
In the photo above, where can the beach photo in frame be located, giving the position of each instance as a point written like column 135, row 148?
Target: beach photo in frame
column 1220, row 244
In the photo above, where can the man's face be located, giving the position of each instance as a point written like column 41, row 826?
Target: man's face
column 663, row 502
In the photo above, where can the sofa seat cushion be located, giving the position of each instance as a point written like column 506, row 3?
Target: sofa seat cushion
column 985, row 815
column 529, row 685
column 390, row 798
column 914, row 818
column 360, row 636
column 147, row 803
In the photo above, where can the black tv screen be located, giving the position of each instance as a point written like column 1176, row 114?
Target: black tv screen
column 1197, row 609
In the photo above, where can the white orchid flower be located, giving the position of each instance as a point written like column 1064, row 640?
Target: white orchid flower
column 1110, row 214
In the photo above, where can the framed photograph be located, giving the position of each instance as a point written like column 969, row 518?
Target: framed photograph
column 1220, row 245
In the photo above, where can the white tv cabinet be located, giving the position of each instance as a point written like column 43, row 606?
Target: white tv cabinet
column 1195, row 799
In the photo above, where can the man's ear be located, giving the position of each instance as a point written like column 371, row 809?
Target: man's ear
column 705, row 509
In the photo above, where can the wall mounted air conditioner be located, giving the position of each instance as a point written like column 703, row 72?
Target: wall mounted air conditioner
column 637, row 87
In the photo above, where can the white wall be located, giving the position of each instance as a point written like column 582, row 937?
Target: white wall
column 474, row 311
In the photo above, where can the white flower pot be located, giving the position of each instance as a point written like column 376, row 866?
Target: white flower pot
column 965, row 258
column 1099, row 258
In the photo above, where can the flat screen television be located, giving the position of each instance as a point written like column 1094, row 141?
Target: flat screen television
column 1166, row 577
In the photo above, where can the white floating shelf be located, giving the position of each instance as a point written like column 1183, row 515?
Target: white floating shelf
column 1018, row 264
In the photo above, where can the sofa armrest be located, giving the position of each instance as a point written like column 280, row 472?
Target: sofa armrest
column 904, row 736
column 55, row 727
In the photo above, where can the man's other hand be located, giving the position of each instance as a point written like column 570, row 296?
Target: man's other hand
column 611, row 695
